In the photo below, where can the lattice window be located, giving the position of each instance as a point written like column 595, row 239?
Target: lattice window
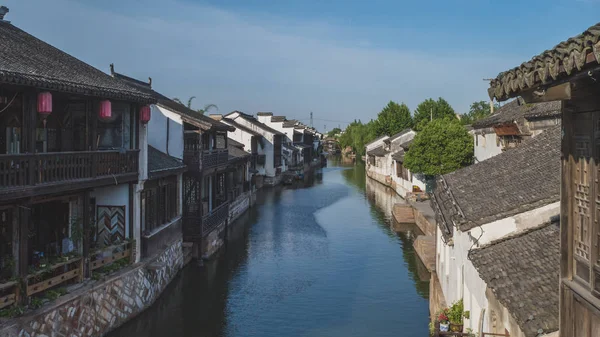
column 582, row 201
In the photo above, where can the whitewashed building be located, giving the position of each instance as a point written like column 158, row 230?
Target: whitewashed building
column 385, row 163
column 260, row 140
column 503, row 196
column 511, row 124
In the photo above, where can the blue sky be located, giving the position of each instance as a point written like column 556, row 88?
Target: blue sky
column 343, row 60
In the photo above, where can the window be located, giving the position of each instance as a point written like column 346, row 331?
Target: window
column 402, row 172
column 114, row 132
column 159, row 203
column 476, row 140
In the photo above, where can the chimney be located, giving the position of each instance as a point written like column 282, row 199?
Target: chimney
column 3, row 11
column 150, row 82
column 112, row 69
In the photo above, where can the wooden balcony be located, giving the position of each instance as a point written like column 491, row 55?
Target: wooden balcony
column 23, row 175
column 215, row 159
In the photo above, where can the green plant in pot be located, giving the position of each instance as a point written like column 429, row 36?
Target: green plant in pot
column 455, row 316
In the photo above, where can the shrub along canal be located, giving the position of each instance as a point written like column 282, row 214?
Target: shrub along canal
column 316, row 260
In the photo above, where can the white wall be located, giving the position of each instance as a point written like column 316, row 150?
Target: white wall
column 486, row 146
column 269, row 169
column 376, row 143
column 451, row 260
column 157, row 127
column 114, row 196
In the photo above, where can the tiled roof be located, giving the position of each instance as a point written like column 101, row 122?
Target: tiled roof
column 515, row 181
column 234, row 143
column 377, row 152
column 240, row 126
column 182, row 110
column 264, row 114
column 376, row 139
column 523, row 273
column 290, row 123
column 569, row 57
column 236, row 153
column 401, row 133
column 161, row 164
column 398, row 156
column 517, row 109
column 255, row 122
column 25, row 60
column 277, row 119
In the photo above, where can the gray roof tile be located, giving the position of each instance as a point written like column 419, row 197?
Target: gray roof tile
column 29, row 61
column 523, row 273
column 515, row 181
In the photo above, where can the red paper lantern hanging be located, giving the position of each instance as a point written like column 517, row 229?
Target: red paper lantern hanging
column 145, row 114
column 105, row 109
column 44, row 103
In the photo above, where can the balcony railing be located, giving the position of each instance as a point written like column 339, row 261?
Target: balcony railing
column 22, row 170
column 215, row 218
column 215, row 158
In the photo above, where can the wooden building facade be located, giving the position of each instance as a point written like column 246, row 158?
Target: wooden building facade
column 69, row 163
column 570, row 72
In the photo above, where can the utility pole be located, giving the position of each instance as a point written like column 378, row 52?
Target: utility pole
column 311, row 120
column 491, row 99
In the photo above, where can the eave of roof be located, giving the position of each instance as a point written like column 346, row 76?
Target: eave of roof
column 240, row 126
column 522, row 270
column 28, row 61
column 255, row 122
column 569, row 58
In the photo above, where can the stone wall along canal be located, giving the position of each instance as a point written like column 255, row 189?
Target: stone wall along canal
column 320, row 260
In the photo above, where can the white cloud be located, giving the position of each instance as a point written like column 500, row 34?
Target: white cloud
column 251, row 62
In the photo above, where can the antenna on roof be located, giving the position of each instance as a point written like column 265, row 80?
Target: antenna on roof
column 311, row 124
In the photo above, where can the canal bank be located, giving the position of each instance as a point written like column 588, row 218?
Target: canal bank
column 319, row 259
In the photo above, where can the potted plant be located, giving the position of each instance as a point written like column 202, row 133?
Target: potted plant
column 443, row 320
column 455, row 316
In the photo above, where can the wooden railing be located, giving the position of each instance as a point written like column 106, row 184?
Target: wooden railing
column 215, row 158
column 9, row 294
column 54, row 275
column 20, row 170
column 107, row 255
column 215, row 218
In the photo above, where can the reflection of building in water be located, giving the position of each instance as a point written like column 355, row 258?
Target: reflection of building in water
column 383, row 197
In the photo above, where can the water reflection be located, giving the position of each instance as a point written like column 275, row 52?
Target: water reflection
column 318, row 259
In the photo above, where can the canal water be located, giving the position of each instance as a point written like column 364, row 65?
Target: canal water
column 315, row 260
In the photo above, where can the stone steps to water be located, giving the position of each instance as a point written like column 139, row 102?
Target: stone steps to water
column 404, row 213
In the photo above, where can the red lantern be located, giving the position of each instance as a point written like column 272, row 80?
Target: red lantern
column 105, row 109
column 44, row 103
column 145, row 114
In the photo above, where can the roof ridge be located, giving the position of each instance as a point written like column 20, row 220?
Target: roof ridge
column 516, row 235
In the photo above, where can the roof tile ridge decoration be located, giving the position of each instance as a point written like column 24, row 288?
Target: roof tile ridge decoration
column 570, row 54
column 438, row 211
column 514, row 235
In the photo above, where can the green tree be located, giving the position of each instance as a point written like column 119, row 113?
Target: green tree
column 477, row 111
column 443, row 146
column 430, row 109
column 189, row 105
column 392, row 119
column 334, row 132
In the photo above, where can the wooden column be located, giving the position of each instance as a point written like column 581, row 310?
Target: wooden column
column 86, row 230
